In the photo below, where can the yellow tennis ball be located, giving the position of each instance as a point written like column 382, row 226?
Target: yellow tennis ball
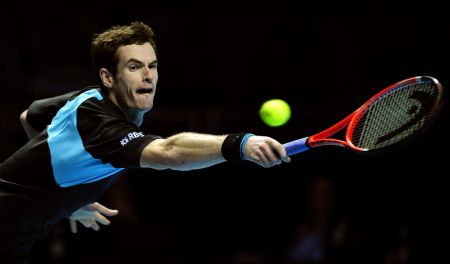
column 275, row 112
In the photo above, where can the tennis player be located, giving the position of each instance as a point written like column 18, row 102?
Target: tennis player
column 81, row 142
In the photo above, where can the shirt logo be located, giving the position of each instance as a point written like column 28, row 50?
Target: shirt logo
column 130, row 136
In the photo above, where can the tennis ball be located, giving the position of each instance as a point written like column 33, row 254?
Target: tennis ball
column 275, row 112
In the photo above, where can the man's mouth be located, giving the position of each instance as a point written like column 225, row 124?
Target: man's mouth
column 144, row 91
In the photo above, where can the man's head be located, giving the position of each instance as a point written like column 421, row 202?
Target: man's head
column 124, row 59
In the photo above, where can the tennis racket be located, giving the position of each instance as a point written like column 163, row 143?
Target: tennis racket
column 389, row 119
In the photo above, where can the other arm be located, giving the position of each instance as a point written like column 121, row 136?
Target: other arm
column 29, row 130
column 41, row 112
column 89, row 215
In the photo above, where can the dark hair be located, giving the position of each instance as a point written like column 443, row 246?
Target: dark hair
column 105, row 45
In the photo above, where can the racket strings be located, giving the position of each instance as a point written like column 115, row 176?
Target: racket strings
column 395, row 115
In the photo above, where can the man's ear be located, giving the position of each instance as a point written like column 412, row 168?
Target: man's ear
column 106, row 77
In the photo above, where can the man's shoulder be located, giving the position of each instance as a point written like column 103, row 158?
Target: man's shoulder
column 97, row 105
column 86, row 90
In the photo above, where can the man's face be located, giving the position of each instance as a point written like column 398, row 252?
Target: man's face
column 134, row 85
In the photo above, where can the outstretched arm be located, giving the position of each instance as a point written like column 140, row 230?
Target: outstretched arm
column 189, row 151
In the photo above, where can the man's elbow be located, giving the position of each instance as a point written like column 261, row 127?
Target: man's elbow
column 163, row 162
column 23, row 117
column 162, row 159
column 154, row 156
column 29, row 130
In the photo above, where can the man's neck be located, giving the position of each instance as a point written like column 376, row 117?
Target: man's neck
column 133, row 115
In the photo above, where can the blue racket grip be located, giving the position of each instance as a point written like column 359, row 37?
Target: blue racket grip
column 296, row 146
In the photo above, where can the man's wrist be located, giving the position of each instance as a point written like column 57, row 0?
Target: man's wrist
column 234, row 145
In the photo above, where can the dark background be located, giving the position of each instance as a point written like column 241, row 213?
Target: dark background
column 218, row 62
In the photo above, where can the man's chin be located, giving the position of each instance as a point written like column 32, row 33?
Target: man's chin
column 145, row 109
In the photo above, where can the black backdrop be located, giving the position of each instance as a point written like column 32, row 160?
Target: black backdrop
column 218, row 63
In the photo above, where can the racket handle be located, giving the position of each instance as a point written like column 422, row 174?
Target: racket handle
column 296, row 146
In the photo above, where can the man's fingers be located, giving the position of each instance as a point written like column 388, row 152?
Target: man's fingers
column 104, row 210
column 101, row 219
column 95, row 226
column 263, row 160
column 89, row 215
column 271, row 155
column 73, row 226
column 87, row 223
column 280, row 152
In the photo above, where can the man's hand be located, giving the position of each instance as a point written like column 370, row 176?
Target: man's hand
column 265, row 151
column 89, row 215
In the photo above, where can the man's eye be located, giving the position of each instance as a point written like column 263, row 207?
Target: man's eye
column 133, row 67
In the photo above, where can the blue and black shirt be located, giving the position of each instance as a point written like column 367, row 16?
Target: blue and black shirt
column 85, row 144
